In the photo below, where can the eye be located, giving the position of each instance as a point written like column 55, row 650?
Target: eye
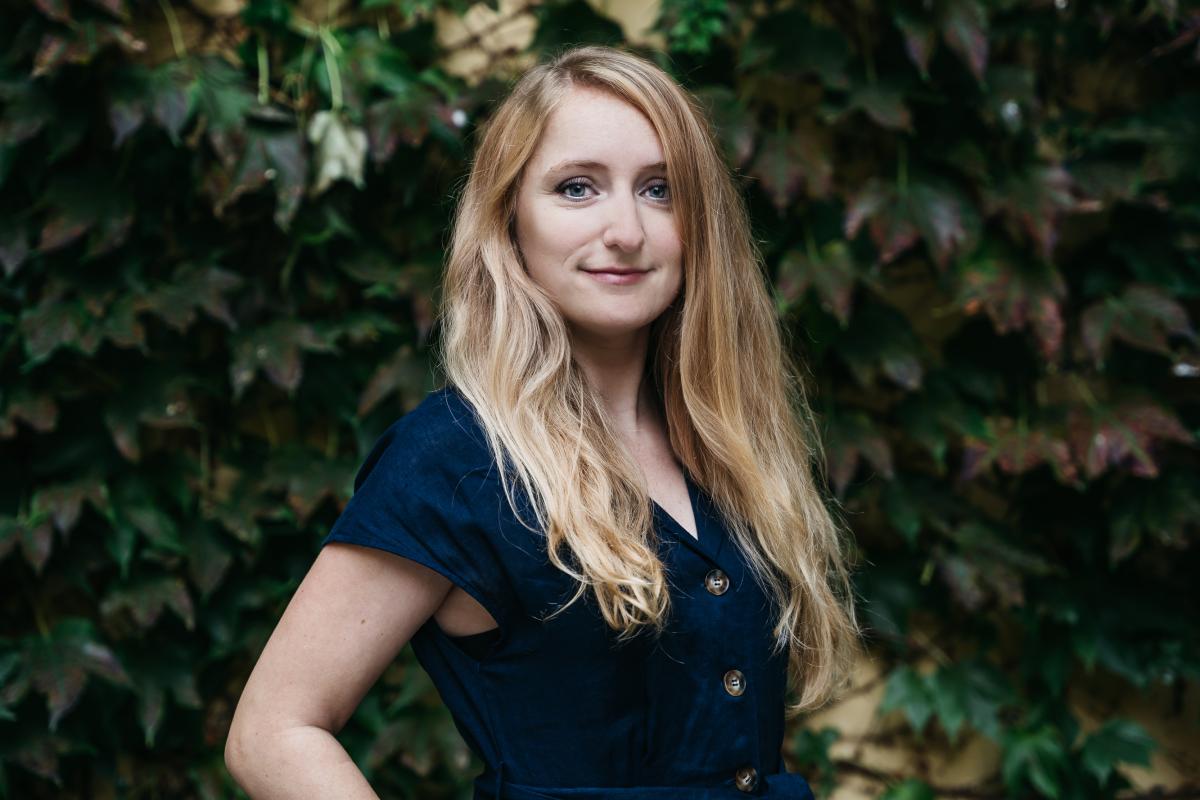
column 572, row 184
column 666, row 190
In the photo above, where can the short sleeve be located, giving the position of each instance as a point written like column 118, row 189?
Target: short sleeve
column 422, row 493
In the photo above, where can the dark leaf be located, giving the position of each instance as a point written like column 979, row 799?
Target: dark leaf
column 830, row 270
column 58, row 664
column 276, row 350
column 1015, row 448
column 795, row 161
column 850, row 438
column 1124, row 436
column 145, row 600
column 1016, row 293
column 1032, row 203
column 964, row 26
column 1142, row 316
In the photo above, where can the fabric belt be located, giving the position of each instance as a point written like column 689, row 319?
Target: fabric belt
column 780, row 786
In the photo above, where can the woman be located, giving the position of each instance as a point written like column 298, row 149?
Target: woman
column 603, row 536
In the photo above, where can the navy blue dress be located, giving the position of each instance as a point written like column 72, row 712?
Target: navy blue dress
column 560, row 709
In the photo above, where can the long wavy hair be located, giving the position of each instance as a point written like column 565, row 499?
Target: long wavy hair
column 734, row 404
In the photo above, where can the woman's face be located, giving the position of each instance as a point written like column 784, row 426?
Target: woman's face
column 594, row 197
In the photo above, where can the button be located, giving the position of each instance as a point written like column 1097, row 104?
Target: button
column 735, row 682
column 746, row 778
column 716, row 581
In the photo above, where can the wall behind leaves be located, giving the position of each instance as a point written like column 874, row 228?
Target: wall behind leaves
column 221, row 232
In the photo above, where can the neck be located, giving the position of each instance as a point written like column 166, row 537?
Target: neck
column 615, row 368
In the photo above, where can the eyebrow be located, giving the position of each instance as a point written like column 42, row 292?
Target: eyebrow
column 562, row 165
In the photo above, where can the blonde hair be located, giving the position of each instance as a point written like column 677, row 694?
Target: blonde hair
column 735, row 409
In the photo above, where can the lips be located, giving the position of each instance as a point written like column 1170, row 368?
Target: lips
column 617, row 270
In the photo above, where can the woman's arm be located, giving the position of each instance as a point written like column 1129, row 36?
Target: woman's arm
column 353, row 612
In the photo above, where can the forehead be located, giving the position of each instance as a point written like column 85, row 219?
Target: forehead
column 595, row 126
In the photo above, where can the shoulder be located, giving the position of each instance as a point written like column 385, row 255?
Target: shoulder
column 441, row 435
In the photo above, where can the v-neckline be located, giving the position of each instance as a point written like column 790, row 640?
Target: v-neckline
column 710, row 537
column 692, row 501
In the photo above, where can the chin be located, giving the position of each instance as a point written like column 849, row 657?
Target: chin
column 610, row 328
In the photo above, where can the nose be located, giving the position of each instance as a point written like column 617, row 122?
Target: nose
column 625, row 225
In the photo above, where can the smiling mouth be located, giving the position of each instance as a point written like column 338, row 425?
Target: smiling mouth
column 617, row 271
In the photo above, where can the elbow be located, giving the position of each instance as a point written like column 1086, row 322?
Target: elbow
column 236, row 756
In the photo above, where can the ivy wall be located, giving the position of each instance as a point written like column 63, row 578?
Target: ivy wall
column 221, row 231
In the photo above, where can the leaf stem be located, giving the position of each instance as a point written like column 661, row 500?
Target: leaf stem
column 264, row 66
column 173, row 24
column 330, row 48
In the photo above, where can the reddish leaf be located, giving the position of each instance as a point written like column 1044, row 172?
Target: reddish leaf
column 1032, row 203
column 1142, row 316
column 884, row 104
column 145, row 601
column 1016, row 449
column 735, row 125
column 932, row 211
column 1015, row 294
column 124, row 117
column 1123, row 437
column 851, row 438
column 39, row 753
column 309, row 482
column 249, row 158
column 880, row 339
column 57, row 10
column 831, row 271
column 892, row 233
column 14, row 246
column 62, row 228
column 58, row 663
column 193, row 288
column 402, row 373
column 275, row 349
column 64, row 502
column 52, row 324
column 208, row 559
column 114, row 7
column 236, row 504
column 39, row 412
column 800, row 159
column 964, row 27
column 395, row 120
column 920, row 39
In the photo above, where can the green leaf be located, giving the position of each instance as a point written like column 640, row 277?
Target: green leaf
column 1117, row 741
column 911, row 789
column 910, row 692
column 1036, row 756
column 971, row 692
column 221, row 94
